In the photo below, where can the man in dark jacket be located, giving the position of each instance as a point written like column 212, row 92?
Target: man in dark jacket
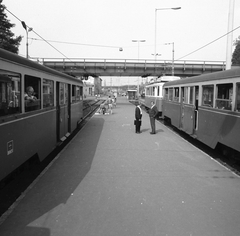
column 138, row 117
column 153, row 111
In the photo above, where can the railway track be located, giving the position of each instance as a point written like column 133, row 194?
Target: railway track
column 11, row 189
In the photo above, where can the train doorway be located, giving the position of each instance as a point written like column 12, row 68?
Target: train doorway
column 188, row 100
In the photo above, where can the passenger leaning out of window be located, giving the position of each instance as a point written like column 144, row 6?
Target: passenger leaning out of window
column 29, row 95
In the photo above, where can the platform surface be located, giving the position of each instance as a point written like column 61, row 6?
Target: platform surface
column 110, row 181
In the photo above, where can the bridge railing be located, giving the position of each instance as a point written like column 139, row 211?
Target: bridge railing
column 125, row 61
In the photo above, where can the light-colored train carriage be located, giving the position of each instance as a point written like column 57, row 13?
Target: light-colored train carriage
column 154, row 92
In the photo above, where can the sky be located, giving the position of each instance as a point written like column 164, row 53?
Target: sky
column 98, row 28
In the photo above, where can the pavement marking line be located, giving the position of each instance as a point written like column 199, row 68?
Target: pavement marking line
column 23, row 194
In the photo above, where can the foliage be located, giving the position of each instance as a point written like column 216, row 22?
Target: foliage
column 236, row 53
column 7, row 39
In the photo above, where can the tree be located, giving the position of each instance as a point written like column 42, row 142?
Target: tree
column 236, row 53
column 7, row 39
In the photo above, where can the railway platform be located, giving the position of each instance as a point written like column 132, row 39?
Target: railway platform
column 110, row 181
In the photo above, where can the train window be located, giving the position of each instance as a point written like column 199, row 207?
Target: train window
column 66, row 93
column 185, row 95
column 63, row 93
column 48, row 93
column 158, row 91
column 207, row 97
column 238, row 98
column 73, row 93
column 170, row 97
column 166, row 94
column 153, row 91
column 176, row 94
column 147, row 91
column 191, row 95
column 10, row 95
column 224, row 96
column 32, row 94
column 78, row 93
column 81, row 92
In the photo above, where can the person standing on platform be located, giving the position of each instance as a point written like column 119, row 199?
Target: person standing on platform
column 138, row 117
column 153, row 111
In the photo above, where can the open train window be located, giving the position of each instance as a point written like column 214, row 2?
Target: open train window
column 238, row 97
column 10, row 93
column 48, row 93
column 207, row 95
column 32, row 94
column 224, row 96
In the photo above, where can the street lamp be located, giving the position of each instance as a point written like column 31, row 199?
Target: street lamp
column 172, row 57
column 158, row 9
column 28, row 29
column 138, row 41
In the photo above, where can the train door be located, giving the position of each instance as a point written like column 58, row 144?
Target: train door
column 196, row 107
column 63, row 110
column 187, row 123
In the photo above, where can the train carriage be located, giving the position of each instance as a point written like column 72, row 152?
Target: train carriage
column 34, row 128
column 154, row 92
column 208, row 108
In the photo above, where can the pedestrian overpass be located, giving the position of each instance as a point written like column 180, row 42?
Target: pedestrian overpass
column 128, row 67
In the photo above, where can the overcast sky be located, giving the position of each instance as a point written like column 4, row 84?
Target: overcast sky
column 98, row 28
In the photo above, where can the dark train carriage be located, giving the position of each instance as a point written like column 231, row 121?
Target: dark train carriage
column 208, row 108
column 34, row 127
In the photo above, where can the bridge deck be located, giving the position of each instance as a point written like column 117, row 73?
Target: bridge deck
column 133, row 68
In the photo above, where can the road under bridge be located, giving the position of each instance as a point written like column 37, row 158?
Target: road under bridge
column 122, row 67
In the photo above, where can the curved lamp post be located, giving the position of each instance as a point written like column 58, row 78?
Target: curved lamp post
column 28, row 29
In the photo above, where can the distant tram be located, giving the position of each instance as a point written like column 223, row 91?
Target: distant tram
column 132, row 94
column 208, row 108
column 154, row 92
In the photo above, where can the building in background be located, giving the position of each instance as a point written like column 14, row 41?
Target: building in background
column 88, row 89
column 92, row 87
column 97, row 86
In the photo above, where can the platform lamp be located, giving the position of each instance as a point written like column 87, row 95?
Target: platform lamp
column 28, row 29
column 158, row 9
column 138, row 41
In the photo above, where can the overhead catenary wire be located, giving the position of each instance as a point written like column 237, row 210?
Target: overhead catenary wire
column 94, row 45
column 81, row 44
column 23, row 23
column 208, row 43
